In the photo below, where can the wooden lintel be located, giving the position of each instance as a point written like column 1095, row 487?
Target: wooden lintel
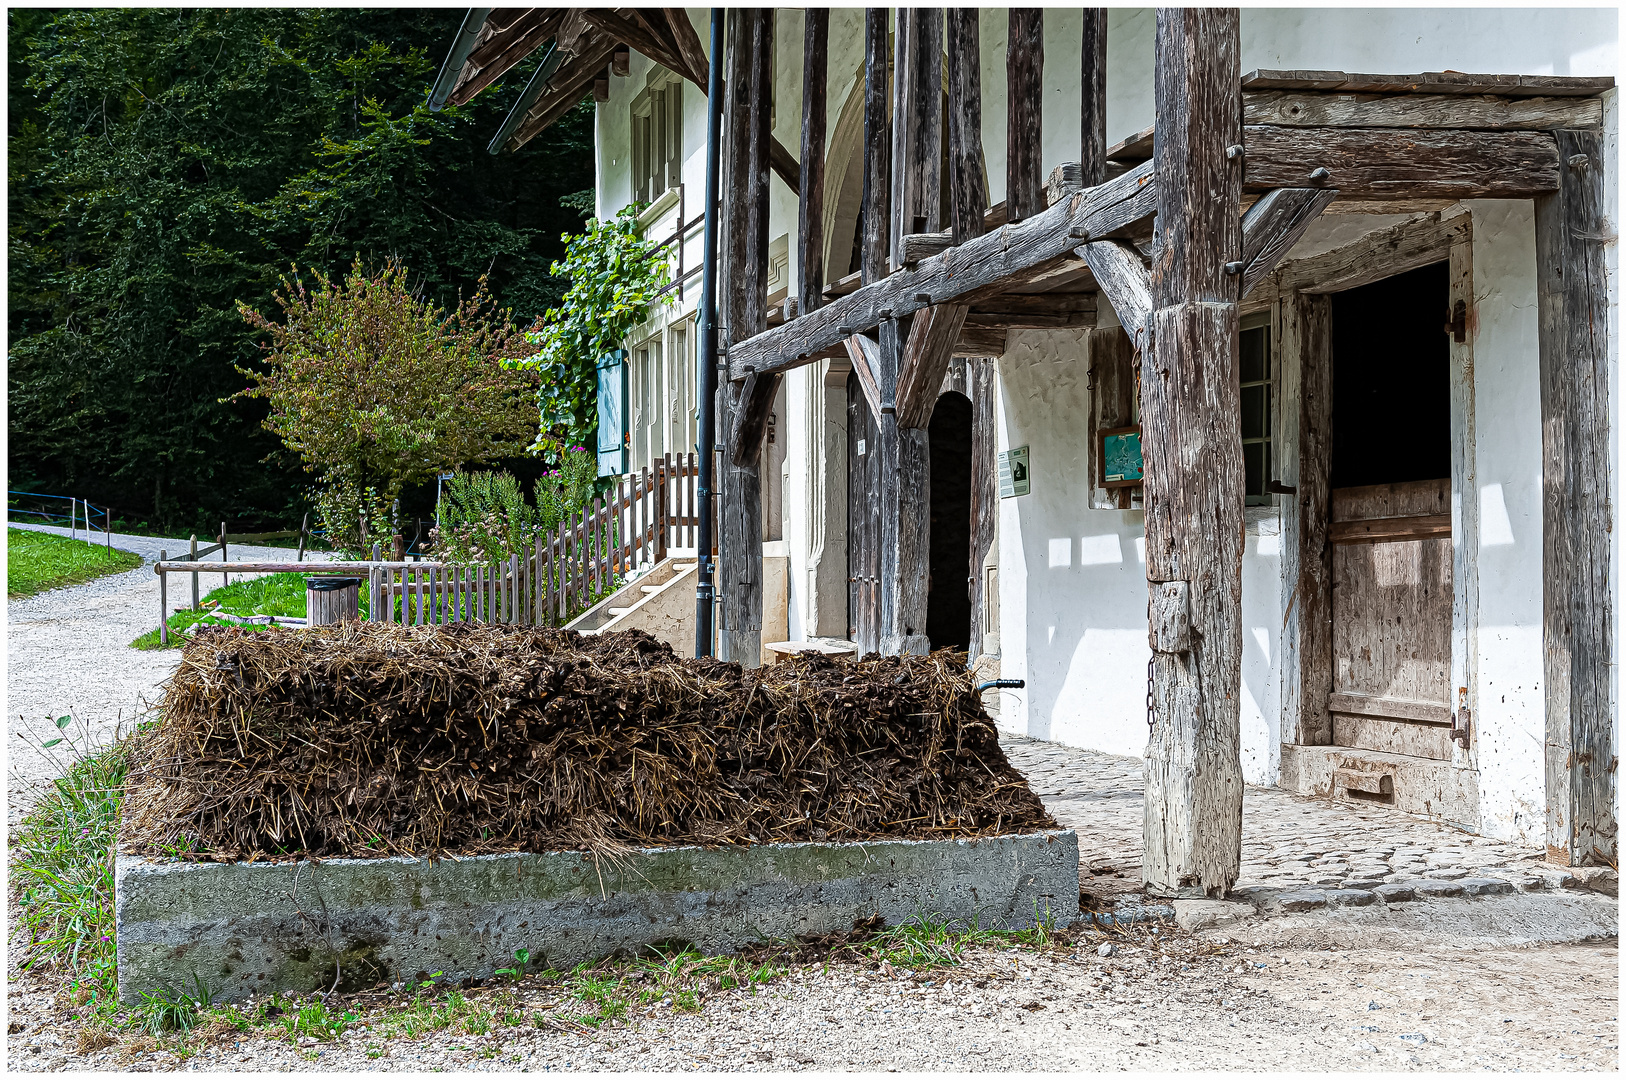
column 926, row 356
column 1123, row 276
column 1431, row 82
column 1273, row 225
column 864, row 352
column 1289, row 108
column 1395, row 163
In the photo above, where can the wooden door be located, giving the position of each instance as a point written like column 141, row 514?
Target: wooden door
column 863, row 521
column 1391, row 618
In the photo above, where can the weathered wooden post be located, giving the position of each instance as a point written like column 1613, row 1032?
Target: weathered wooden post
column 968, row 194
column 163, row 601
column 1190, row 420
column 1093, row 105
column 1024, row 145
column 1572, row 299
column 194, row 558
column 304, row 527
column 810, row 207
column 225, row 577
column 747, row 98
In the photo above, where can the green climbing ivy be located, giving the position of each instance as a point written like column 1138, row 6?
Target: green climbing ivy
column 616, row 279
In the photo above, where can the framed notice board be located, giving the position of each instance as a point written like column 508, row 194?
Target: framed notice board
column 1014, row 477
column 1120, row 458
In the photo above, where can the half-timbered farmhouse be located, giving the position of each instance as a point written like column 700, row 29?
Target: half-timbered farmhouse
column 1245, row 382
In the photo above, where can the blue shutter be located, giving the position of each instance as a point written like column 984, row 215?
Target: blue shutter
column 613, row 436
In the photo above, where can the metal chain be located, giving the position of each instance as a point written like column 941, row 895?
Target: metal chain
column 1150, row 715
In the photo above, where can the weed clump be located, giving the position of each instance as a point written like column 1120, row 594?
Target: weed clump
column 366, row 740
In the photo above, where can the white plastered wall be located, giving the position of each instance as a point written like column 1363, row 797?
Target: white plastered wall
column 1073, row 580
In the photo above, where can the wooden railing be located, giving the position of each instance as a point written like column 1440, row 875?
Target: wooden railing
column 571, row 568
column 631, row 527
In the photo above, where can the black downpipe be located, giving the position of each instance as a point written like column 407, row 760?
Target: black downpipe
column 705, row 591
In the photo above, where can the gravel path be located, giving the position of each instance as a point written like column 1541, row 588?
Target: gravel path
column 68, row 654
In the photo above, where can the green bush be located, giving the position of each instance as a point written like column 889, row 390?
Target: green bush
column 484, row 517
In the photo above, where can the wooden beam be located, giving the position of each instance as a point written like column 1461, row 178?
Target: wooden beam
column 638, row 35
column 1273, row 225
column 980, row 341
column 1433, row 82
column 687, row 41
column 864, row 352
column 1093, row 106
column 810, row 204
column 496, row 55
column 1024, row 134
column 1122, row 275
column 926, row 357
column 1395, row 163
column 875, row 215
column 917, row 133
column 1572, row 297
column 1191, row 437
column 968, row 194
column 917, row 246
column 1289, row 108
column 988, row 262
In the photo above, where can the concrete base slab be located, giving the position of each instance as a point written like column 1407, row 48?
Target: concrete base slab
column 255, row 928
column 1491, row 922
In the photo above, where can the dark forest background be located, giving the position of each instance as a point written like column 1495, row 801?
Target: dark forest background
column 165, row 164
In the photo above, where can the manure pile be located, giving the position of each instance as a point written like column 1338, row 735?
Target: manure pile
column 367, row 740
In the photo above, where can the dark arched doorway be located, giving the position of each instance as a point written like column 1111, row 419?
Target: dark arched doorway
column 948, row 603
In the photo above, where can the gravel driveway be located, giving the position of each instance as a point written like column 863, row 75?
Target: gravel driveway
column 68, row 653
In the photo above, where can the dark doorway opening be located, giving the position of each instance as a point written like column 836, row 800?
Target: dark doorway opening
column 1391, row 380
column 948, row 602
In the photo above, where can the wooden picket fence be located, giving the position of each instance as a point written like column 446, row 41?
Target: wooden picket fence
column 573, row 567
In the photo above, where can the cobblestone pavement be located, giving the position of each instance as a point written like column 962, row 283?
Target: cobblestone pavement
column 1298, row 853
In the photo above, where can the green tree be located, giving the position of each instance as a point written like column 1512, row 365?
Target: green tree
column 165, row 164
column 376, row 388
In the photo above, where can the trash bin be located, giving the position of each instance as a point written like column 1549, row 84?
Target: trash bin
column 330, row 600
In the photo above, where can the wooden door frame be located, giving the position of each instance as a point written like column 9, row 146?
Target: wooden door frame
column 1302, row 347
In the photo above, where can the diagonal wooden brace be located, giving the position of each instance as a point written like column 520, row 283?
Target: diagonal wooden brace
column 1123, row 276
column 926, row 357
column 1273, row 225
column 751, row 419
column 865, row 354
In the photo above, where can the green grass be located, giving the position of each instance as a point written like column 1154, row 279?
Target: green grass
column 62, row 875
column 37, row 561
column 274, row 594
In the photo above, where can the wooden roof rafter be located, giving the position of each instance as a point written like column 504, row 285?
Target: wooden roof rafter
column 588, row 37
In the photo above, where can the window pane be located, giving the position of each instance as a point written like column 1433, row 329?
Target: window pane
column 1253, row 458
column 1252, row 347
column 1254, row 416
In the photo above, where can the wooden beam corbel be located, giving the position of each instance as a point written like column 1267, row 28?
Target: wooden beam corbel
column 1273, row 225
column 1123, row 276
column 926, row 357
column 865, row 354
